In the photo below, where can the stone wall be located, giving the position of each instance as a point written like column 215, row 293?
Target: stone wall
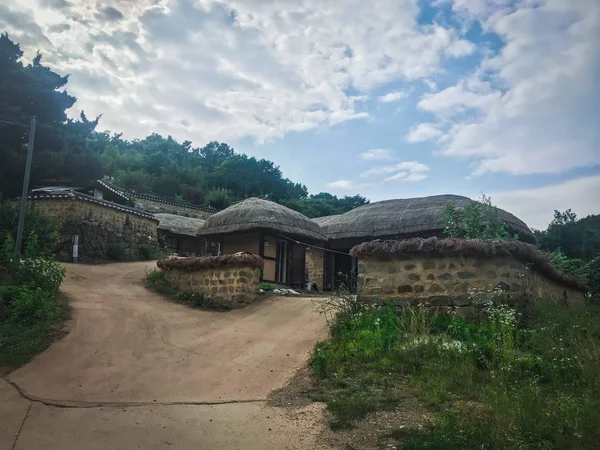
column 181, row 209
column 104, row 233
column 315, row 262
column 233, row 287
column 444, row 280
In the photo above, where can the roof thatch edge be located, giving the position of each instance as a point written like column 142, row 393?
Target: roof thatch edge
column 211, row 262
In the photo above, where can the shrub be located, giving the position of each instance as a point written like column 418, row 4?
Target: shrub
column 150, row 252
column 120, row 252
column 43, row 226
column 32, row 304
column 267, row 287
column 477, row 220
column 157, row 282
column 219, row 198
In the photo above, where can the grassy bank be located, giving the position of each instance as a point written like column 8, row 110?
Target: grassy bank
column 31, row 307
column 157, row 282
column 511, row 379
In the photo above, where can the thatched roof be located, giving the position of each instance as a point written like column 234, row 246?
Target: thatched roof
column 404, row 217
column 178, row 224
column 258, row 214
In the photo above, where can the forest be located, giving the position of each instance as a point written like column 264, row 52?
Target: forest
column 72, row 151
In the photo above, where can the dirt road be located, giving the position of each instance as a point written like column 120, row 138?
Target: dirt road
column 138, row 372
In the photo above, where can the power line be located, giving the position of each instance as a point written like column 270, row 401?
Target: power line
column 8, row 122
column 313, row 246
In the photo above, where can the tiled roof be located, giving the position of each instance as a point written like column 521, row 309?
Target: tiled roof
column 174, row 202
column 50, row 195
column 112, row 188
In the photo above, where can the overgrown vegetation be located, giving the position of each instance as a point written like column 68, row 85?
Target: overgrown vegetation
column 506, row 379
column 573, row 246
column 29, row 300
column 477, row 220
column 157, row 282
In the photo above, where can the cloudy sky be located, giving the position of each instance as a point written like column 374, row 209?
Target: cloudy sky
column 391, row 98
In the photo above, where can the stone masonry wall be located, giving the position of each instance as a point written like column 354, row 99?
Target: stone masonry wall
column 104, row 233
column 233, row 287
column 315, row 262
column 447, row 280
column 170, row 208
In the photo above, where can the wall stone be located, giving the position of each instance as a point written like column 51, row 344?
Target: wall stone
column 104, row 232
column 233, row 287
column 178, row 208
column 448, row 280
column 315, row 262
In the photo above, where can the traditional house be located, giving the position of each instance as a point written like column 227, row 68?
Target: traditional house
column 390, row 220
column 297, row 249
column 278, row 234
column 178, row 233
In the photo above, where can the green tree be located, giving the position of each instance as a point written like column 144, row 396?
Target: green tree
column 61, row 150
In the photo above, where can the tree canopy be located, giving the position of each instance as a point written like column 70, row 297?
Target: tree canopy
column 72, row 152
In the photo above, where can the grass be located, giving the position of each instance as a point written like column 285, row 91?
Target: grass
column 504, row 381
column 19, row 343
column 157, row 282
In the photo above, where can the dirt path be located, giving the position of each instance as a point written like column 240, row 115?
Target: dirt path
column 138, row 372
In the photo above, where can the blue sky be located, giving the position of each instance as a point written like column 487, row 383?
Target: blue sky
column 408, row 98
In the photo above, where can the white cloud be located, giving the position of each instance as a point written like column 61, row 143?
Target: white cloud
column 377, row 154
column 341, row 184
column 406, row 176
column 404, row 171
column 392, row 97
column 423, row 132
column 231, row 68
column 535, row 206
column 533, row 106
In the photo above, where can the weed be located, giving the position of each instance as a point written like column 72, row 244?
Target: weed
column 530, row 382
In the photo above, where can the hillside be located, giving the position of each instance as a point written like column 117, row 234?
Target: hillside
column 71, row 151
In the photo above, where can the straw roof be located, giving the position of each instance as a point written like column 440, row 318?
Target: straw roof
column 404, row 217
column 258, row 214
column 178, row 224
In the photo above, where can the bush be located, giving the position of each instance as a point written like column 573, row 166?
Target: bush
column 150, row 252
column 28, row 306
column 32, row 304
column 43, row 226
column 477, row 220
column 121, row 253
column 268, row 287
column 219, row 199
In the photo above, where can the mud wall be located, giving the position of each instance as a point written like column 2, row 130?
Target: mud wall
column 455, row 280
column 104, row 233
column 233, row 287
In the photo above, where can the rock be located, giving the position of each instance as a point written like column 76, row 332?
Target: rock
column 445, row 276
column 466, row 275
column 435, row 288
column 403, row 289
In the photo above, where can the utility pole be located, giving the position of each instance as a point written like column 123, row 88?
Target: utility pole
column 25, row 191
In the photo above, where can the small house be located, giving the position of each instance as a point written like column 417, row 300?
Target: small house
column 281, row 236
column 178, row 233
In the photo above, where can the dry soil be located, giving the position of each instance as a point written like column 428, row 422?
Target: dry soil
column 136, row 371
